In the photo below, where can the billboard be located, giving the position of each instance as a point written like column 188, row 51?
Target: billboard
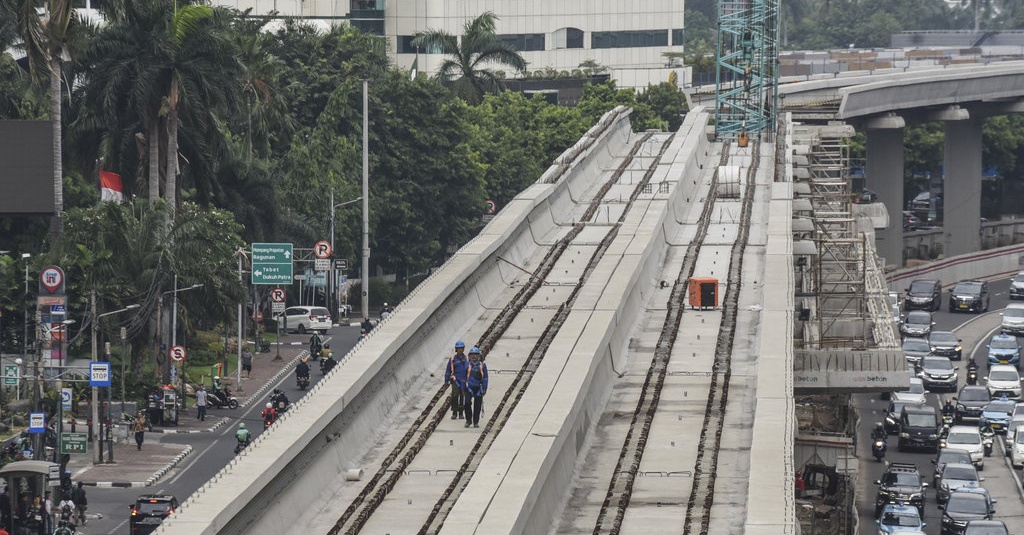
column 26, row 168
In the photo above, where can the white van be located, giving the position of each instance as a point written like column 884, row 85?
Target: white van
column 1013, row 319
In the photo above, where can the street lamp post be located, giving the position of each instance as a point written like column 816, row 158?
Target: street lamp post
column 174, row 331
column 334, row 281
column 365, row 268
column 24, row 339
column 97, row 436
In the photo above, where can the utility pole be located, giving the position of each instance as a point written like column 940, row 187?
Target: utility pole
column 97, row 441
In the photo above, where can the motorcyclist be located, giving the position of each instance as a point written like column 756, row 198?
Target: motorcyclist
column 948, row 409
column 269, row 415
column 878, row 433
column 242, row 436
column 302, row 368
column 326, row 351
column 315, row 343
column 280, row 400
column 328, row 364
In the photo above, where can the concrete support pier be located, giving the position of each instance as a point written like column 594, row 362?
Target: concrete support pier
column 962, row 186
column 884, row 168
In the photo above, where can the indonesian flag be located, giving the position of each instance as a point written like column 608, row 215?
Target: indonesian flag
column 110, row 187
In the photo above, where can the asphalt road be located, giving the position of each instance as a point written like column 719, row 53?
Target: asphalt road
column 211, row 451
column 1000, row 479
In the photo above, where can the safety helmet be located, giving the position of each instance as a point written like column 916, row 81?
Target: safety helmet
column 385, row 304
column 474, row 351
column 216, row 378
column 305, row 359
column 878, row 424
column 270, row 405
column 459, row 344
column 327, row 346
column 241, row 425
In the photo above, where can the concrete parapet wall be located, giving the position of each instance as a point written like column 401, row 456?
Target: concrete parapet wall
column 998, row 262
column 772, row 470
column 273, row 482
column 531, row 467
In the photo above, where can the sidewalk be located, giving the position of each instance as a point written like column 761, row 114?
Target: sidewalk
column 141, row 468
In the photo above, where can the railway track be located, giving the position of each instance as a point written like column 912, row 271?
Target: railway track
column 396, row 463
column 698, row 511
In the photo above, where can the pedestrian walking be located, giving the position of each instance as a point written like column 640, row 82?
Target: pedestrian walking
column 246, row 362
column 81, row 502
column 140, row 430
column 200, row 404
column 476, row 388
column 48, row 512
column 455, row 376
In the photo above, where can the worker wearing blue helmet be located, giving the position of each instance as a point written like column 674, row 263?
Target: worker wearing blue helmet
column 455, row 375
column 476, row 387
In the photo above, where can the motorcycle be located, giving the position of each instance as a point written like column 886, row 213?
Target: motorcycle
column 222, row 399
column 302, row 381
column 987, row 440
column 972, row 375
column 240, row 444
column 280, row 402
column 315, row 345
column 947, row 422
column 878, row 448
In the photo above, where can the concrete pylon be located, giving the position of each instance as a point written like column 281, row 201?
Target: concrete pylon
column 962, row 187
column 884, row 174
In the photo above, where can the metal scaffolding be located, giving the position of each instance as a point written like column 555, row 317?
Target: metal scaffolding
column 746, row 74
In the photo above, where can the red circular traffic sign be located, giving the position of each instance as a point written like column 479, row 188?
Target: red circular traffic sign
column 322, row 249
column 277, row 295
column 52, row 278
column 178, row 353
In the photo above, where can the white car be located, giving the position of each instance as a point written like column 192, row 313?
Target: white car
column 1013, row 319
column 914, row 394
column 1003, row 380
column 1015, row 444
column 304, row 319
column 967, row 438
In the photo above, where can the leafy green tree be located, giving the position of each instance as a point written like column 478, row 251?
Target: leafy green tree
column 126, row 255
column 666, row 101
column 517, row 138
column 465, row 71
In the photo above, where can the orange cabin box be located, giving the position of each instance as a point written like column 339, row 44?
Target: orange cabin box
column 703, row 293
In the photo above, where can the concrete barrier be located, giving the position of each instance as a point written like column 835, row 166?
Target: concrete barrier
column 993, row 263
column 319, row 441
column 530, row 468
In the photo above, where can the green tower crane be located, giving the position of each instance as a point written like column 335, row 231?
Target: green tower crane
column 746, row 74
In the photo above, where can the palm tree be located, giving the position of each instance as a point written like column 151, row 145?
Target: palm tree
column 465, row 70
column 45, row 43
column 172, row 67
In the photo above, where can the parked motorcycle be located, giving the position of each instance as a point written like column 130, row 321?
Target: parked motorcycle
column 222, row 399
column 878, row 448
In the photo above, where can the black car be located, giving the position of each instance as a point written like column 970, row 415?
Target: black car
column 915, row 349
column 986, row 527
column 149, row 510
column 969, row 296
column 900, row 483
column 948, row 456
column 924, row 294
column 970, row 401
column 920, row 426
column 946, row 344
column 965, row 505
column 891, row 423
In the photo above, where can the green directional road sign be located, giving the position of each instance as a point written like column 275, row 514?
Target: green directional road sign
column 74, row 442
column 271, row 263
column 11, row 375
